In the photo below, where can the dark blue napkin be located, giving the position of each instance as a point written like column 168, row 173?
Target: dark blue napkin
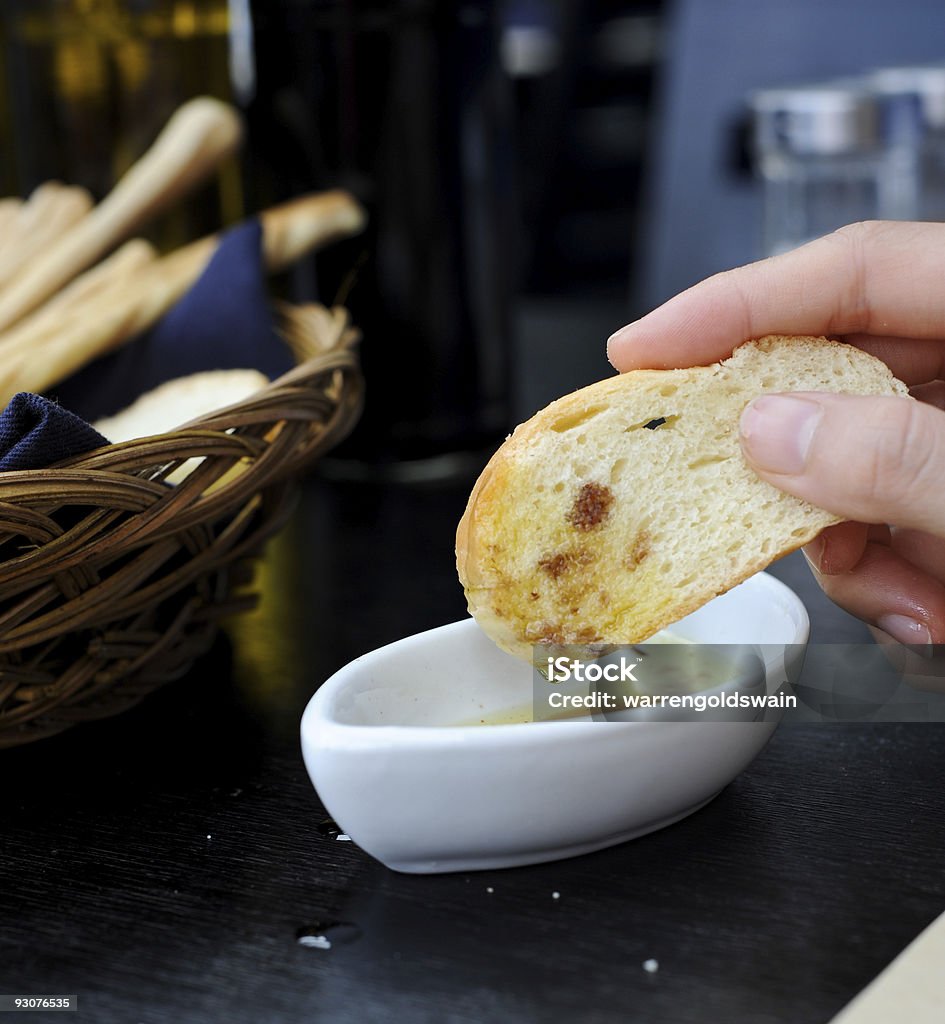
column 224, row 322
column 35, row 432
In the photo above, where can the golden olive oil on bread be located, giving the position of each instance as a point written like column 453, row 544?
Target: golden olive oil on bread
column 622, row 507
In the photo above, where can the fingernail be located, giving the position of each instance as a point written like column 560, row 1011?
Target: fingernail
column 777, row 431
column 905, row 630
column 813, row 551
column 618, row 334
column 613, row 345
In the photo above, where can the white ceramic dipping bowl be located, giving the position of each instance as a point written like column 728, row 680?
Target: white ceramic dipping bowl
column 423, row 794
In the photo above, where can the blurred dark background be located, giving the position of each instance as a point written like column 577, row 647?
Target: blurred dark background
column 538, row 172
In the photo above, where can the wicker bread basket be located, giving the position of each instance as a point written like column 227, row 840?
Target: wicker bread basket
column 112, row 582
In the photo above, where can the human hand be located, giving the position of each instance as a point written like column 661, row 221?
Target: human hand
column 878, row 461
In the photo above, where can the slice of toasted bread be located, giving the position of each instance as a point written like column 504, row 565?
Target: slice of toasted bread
column 618, row 509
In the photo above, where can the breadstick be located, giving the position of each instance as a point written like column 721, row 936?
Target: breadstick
column 199, row 136
column 79, row 299
column 9, row 208
column 16, row 218
column 51, row 210
column 115, row 270
column 36, row 360
column 300, row 225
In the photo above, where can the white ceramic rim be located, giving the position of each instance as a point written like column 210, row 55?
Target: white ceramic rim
column 319, row 712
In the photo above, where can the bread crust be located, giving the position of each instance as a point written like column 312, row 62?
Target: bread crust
column 593, row 524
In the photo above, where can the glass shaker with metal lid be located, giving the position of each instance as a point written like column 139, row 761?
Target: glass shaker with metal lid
column 914, row 100
column 819, row 150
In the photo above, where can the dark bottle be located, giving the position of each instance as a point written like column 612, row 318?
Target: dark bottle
column 405, row 104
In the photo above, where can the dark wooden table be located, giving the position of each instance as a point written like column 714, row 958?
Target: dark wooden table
column 163, row 864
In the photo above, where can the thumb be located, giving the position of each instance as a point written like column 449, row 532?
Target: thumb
column 872, row 459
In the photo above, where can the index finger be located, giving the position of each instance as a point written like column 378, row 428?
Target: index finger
column 880, row 278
